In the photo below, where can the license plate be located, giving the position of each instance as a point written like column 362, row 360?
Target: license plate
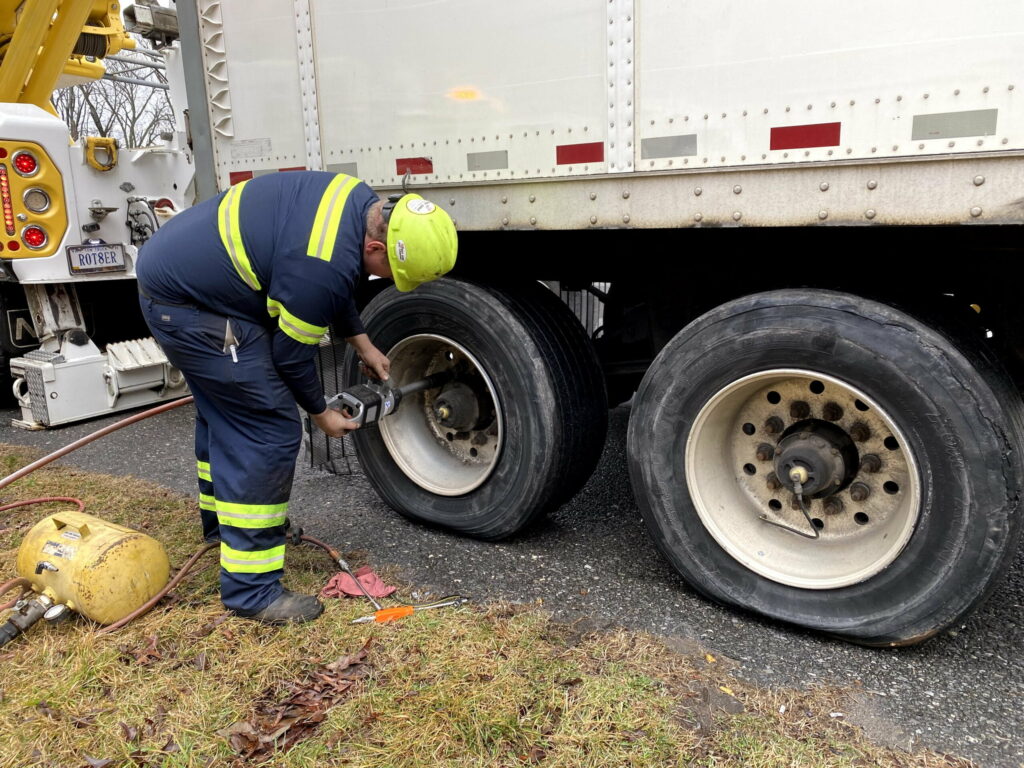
column 96, row 258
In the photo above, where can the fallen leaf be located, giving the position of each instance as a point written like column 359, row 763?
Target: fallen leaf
column 200, row 662
column 571, row 682
column 170, row 747
column 43, row 707
column 149, row 654
column 86, row 721
column 709, row 658
column 129, row 732
column 95, row 763
column 279, row 724
column 207, row 628
column 726, row 689
column 536, row 755
column 241, row 736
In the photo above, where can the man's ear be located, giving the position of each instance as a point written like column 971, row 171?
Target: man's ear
column 375, row 247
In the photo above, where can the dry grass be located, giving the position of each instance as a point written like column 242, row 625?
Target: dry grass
column 497, row 685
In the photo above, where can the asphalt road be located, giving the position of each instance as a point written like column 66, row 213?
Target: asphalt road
column 962, row 693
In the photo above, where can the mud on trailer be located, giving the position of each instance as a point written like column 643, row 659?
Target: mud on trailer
column 795, row 233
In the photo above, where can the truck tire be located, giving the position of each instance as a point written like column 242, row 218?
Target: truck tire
column 916, row 436
column 519, row 431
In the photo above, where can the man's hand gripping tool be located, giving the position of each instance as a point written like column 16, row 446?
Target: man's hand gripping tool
column 369, row 403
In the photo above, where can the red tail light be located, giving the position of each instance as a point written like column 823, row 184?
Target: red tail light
column 34, row 237
column 25, row 163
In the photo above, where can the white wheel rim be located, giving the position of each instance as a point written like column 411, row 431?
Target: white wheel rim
column 436, row 458
column 855, row 543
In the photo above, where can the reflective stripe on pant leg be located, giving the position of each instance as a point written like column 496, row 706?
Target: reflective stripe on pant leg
column 251, row 515
column 257, row 561
column 207, row 510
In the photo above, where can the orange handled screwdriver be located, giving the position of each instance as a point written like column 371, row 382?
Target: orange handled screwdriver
column 399, row 611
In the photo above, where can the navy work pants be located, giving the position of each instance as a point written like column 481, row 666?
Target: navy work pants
column 248, row 434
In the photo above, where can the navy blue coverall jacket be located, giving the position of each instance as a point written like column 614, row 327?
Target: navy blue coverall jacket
column 238, row 291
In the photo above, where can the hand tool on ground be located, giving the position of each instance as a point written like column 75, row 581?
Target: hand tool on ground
column 369, row 403
column 399, row 611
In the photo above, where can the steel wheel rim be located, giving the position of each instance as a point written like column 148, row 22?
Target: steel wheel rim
column 434, row 457
column 856, row 543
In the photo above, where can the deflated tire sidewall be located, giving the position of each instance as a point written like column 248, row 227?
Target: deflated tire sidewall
column 953, row 421
column 520, row 480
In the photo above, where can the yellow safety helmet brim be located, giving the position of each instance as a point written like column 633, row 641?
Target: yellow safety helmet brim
column 422, row 242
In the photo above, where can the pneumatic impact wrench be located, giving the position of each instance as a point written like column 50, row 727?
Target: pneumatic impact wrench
column 369, row 403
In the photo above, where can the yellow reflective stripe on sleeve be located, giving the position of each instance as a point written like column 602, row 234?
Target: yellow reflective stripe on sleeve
column 207, row 502
column 231, row 235
column 203, row 470
column 298, row 329
column 328, row 217
column 260, row 561
column 251, row 515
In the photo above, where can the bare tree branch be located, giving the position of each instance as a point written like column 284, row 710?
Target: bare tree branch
column 134, row 114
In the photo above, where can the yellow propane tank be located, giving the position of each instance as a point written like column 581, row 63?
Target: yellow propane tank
column 102, row 570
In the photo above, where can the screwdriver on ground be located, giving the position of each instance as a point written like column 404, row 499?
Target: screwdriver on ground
column 399, row 611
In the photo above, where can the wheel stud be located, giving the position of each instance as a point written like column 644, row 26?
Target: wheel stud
column 799, row 410
column 773, row 482
column 860, row 432
column 765, row 452
column 773, row 425
column 833, row 505
column 859, row 492
column 870, row 463
column 832, row 411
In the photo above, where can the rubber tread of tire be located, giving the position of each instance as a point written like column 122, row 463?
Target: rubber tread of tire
column 578, row 378
column 975, row 384
column 575, row 381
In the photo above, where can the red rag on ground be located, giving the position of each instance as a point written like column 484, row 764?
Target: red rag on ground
column 342, row 584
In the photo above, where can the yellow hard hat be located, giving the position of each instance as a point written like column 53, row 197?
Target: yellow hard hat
column 422, row 242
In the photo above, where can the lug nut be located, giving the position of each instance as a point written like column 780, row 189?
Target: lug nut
column 799, row 410
column 773, row 482
column 870, row 463
column 860, row 432
column 833, row 505
column 765, row 452
column 832, row 412
column 773, row 425
column 859, row 492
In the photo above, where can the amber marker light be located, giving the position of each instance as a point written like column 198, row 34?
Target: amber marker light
column 5, row 198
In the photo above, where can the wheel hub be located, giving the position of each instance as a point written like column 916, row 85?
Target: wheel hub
column 447, row 443
column 457, row 407
column 859, row 482
column 824, row 452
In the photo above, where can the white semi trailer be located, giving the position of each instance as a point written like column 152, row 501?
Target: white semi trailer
column 799, row 228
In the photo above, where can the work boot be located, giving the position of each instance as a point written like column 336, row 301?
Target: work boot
column 289, row 606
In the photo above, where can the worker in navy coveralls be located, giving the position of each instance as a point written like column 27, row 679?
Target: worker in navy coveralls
column 238, row 291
